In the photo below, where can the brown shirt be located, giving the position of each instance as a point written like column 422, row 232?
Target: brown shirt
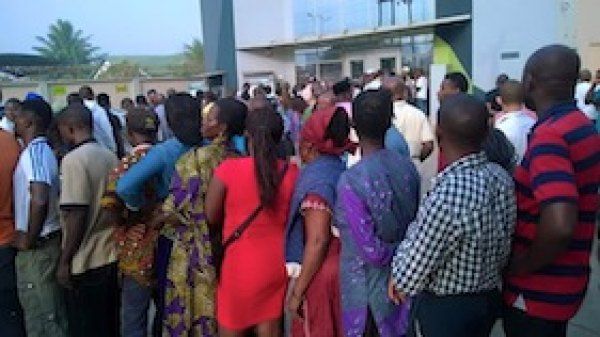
column 84, row 172
column 9, row 154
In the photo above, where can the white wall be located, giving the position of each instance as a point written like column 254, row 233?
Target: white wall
column 587, row 33
column 515, row 26
column 262, row 22
column 280, row 62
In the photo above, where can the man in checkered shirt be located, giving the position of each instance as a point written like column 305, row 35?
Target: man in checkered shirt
column 456, row 248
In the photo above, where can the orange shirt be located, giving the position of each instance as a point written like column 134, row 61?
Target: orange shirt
column 9, row 154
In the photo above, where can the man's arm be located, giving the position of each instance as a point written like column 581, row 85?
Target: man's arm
column 589, row 96
column 131, row 184
column 429, row 240
column 74, row 227
column 553, row 186
column 426, row 150
column 554, row 233
column 361, row 227
column 38, row 211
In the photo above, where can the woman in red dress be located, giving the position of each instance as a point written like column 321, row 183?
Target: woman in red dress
column 253, row 278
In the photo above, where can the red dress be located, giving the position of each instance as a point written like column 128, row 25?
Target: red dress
column 253, row 276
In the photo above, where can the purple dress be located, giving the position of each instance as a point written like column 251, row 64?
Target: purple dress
column 377, row 199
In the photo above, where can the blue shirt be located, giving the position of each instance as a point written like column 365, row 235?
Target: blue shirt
column 395, row 141
column 158, row 164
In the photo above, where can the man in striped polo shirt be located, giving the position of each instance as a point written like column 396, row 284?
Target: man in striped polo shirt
column 557, row 195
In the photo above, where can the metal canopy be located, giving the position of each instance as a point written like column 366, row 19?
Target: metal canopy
column 411, row 29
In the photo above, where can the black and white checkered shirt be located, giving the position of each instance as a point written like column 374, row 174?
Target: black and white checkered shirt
column 460, row 241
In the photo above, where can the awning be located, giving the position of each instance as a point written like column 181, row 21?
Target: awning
column 412, row 28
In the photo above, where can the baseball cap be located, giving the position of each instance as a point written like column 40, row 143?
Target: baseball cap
column 142, row 120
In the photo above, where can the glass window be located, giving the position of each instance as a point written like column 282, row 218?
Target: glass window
column 331, row 71
column 388, row 64
column 386, row 13
column 357, row 69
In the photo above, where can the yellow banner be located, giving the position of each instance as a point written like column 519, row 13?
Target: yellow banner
column 59, row 90
column 121, row 88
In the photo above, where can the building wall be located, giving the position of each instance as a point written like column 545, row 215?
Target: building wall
column 263, row 22
column 503, row 38
column 280, row 62
column 587, row 33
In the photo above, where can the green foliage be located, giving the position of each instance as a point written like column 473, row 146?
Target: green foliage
column 194, row 59
column 67, row 46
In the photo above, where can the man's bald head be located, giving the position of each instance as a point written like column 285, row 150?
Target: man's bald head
column 551, row 74
column 463, row 122
column 396, row 86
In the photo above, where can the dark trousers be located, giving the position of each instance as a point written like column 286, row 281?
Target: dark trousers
column 93, row 303
column 163, row 256
column 469, row 315
column 11, row 314
column 518, row 324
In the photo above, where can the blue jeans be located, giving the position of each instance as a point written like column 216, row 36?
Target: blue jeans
column 135, row 301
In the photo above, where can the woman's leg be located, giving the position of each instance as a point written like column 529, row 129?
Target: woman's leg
column 269, row 328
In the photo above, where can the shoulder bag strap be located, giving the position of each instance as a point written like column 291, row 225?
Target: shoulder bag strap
column 244, row 225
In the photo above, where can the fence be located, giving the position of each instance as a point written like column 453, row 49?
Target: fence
column 56, row 91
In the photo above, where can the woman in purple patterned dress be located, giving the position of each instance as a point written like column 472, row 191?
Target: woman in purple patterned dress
column 377, row 199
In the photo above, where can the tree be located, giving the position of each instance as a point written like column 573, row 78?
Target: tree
column 194, row 58
column 67, row 46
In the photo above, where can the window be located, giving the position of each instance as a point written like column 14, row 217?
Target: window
column 357, row 69
column 388, row 64
column 386, row 12
column 331, row 71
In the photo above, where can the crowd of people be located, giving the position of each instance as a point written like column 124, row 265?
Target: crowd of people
column 301, row 211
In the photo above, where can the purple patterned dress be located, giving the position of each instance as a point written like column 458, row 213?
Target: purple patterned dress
column 377, row 199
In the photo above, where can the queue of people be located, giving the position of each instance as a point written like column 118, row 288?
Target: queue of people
column 298, row 211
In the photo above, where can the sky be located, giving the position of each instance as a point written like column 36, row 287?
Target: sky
column 118, row 27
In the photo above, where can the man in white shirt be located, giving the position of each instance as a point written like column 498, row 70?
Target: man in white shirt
column 36, row 187
column 581, row 90
column 164, row 131
column 421, row 88
column 515, row 123
column 410, row 121
column 102, row 129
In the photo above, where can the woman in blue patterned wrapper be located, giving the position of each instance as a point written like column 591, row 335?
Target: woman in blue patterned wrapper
column 312, row 239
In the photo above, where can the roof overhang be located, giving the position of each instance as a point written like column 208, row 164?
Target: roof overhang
column 408, row 29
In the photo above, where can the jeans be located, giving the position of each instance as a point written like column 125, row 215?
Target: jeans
column 93, row 303
column 469, row 315
column 135, row 302
column 11, row 314
column 41, row 296
column 518, row 324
